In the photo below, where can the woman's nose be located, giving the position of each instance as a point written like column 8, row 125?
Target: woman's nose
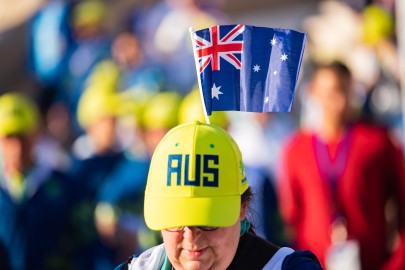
column 191, row 233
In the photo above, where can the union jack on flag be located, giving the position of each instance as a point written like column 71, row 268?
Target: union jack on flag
column 248, row 68
column 216, row 47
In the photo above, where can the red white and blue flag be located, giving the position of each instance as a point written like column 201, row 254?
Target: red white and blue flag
column 248, row 68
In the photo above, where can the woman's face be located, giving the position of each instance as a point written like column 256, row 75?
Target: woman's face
column 194, row 249
column 332, row 94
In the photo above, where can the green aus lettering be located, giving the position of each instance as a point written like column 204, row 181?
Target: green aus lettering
column 206, row 170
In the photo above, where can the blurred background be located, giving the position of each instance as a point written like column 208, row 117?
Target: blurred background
column 88, row 88
column 336, row 30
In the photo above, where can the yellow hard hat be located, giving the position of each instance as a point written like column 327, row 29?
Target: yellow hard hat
column 377, row 24
column 191, row 109
column 18, row 115
column 161, row 110
column 96, row 104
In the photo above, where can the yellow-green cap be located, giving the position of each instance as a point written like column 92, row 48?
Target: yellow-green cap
column 377, row 24
column 105, row 75
column 95, row 104
column 161, row 110
column 18, row 115
column 131, row 107
column 196, row 178
column 89, row 12
column 191, row 109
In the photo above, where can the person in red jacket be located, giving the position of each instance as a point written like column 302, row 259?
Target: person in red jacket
column 336, row 180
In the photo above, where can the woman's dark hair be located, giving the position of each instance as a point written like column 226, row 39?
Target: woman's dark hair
column 341, row 70
column 338, row 67
column 247, row 197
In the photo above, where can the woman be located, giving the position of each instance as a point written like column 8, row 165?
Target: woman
column 197, row 195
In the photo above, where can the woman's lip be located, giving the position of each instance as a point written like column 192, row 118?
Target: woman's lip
column 195, row 252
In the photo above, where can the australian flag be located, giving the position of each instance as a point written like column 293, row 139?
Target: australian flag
column 248, row 68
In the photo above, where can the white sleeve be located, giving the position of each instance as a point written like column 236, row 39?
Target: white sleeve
column 151, row 259
column 276, row 261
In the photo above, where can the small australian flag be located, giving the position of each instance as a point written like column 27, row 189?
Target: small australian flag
column 248, row 68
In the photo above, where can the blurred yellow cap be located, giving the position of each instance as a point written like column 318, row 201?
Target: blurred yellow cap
column 191, row 109
column 377, row 24
column 131, row 107
column 95, row 104
column 89, row 12
column 105, row 75
column 18, row 115
column 161, row 110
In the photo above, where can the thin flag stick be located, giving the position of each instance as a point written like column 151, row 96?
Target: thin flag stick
column 192, row 32
column 400, row 15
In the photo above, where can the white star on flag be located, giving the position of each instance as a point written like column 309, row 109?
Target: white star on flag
column 284, row 57
column 275, row 72
column 256, row 68
column 266, row 100
column 215, row 91
column 273, row 42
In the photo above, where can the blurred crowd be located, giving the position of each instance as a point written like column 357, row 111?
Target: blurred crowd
column 75, row 151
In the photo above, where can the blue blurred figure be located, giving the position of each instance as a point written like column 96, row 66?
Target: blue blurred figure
column 138, row 73
column 119, row 212
column 90, row 45
column 36, row 228
column 50, row 28
column 95, row 154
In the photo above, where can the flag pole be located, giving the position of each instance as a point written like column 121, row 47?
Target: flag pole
column 400, row 17
column 192, row 32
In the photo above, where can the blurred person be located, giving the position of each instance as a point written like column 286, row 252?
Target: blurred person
column 58, row 135
column 36, row 228
column 105, row 75
column 130, row 129
column 138, row 73
column 129, row 71
column 49, row 28
column 336, row 179
column 97, row 115
column 55, row 136
column 119, row 210
column 197, row 196
column 90, row 45
column 119, row 213
column 160, row 114
column 96, row 154
column 363, row 39
column 267, row 219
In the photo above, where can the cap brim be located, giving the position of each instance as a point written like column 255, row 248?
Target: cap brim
column 170, row 212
